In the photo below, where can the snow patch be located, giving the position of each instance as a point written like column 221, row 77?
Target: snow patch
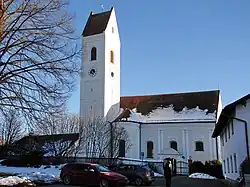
column 157, row 175
column 201, row 176
column 42, row 174
column 13, row 180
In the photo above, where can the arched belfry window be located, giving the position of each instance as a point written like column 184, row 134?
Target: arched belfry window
column 173, row 145
column 121, row 148
column 199, row 146
column 93, row 53
column 150, row 148
column 112, row 56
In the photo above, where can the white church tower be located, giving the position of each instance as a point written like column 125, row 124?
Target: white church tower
column 100, row 76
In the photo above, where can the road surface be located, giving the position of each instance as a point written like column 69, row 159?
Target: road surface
column 181, row 181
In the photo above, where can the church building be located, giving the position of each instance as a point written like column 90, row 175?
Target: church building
column 178, row 125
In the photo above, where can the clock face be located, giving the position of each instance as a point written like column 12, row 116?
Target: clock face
column 92, row 72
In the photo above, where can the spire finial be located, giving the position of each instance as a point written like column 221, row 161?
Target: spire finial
column 102, row 6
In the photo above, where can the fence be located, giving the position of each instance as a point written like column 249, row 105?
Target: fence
column 182, row 168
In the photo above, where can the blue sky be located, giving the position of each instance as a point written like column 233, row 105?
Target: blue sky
column 178, row 46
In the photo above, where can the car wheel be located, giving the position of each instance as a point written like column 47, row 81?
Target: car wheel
column 138, row 181
column 104, row 183
column 66, row 180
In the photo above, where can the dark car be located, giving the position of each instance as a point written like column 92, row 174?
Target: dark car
column 137, row 174
column 91, row 175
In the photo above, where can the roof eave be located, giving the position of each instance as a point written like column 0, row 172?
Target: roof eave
column 90, row 14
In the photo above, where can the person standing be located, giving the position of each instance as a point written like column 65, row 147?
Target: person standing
column 167, row 174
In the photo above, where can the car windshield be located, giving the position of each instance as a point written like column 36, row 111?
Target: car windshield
column 102, row 169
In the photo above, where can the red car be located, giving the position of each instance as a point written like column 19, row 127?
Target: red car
column 91, row 175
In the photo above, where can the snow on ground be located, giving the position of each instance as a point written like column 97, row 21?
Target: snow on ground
column 42, row 174
column 12, row 180
column 158, row 175
column 201, row 176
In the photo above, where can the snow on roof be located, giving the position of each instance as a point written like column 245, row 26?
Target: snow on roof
column 168, row 114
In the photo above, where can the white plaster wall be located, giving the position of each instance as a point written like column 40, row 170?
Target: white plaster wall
column 134, row 139
column 92, row 88
column 100, row 95
column 112, row 84
column 220, row 107
column 236, row 142
column 184, row 134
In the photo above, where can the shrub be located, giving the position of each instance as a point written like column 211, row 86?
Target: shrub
column 245, row 166
column 213, row 168
column 197, row 167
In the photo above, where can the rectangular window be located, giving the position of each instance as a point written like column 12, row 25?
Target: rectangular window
column 228, row 169
column 224, row 165
column 229, row 130
column 222, row 139
column 225, row 134
column 231, row 160
column 232, row 126
column 235, row 163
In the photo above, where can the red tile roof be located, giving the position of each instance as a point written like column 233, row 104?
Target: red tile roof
column 146, row 104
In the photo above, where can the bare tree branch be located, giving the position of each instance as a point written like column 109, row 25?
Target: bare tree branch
column 96, row 139
column 62, row 123
column 39, row 58
column 11, row 127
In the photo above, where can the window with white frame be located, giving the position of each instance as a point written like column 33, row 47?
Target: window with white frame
column 228, row 168
column 224, row 165
column 228, row 126
column 232, row 126
column 231, row 160
column 225, row 132
column 199, row 146
column 235, row 163
column 222, row 139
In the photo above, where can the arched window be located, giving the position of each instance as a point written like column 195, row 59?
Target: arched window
column 112, row 56
column 150, row 147
column 121, row 148
column 173, row 145
column 199, row 146
column 93, row 53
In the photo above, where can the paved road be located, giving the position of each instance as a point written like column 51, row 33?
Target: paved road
column 182, row 182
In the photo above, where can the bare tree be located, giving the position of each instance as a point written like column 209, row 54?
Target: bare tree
column 38, row 56
column 95, row 139
column 11, row 127
column 120, row 134
column 58, row 124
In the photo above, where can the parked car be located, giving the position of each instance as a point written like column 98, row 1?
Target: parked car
column 137, row 174
column 91, row 175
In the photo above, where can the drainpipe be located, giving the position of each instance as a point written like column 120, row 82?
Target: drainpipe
column 246, row 133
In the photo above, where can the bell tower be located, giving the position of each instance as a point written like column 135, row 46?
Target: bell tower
column 100, row 75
